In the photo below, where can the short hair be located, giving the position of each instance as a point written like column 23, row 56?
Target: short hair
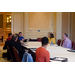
column 52, row 35
column 44, row 41
column 66, row 34
column 9, row 34
column 14, row 37
column 20, row 32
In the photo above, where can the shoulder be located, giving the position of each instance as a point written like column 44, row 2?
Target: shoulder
column 48, row 37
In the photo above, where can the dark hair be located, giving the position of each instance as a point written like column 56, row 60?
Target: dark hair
column 52, row 36
column 18, row 39
column 66, row 34
column 44, row 41
column 9, row 34
column 20, row 32
column 14, row 37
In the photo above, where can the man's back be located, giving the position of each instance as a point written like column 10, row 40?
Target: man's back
column 42, row 55
column 17, row 46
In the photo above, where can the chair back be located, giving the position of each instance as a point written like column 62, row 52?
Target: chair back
column 1, row 38
column 62, row 42
column 10, row 53
column 39, row 39
column 72, row 45
column 58, row 42
column 16, row 53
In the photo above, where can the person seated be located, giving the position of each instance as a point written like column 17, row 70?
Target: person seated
column 21, row 38
column 9, row 37
column 51, row 39
column 66, row 42
column 11, row 43
column 42, row 55
column 14, row 42
column 29, row 51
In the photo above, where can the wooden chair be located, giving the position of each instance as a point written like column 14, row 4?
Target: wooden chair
column 72, row 45
column 58, row 42
column 10, row 53
column 1, row 38
column 16, row 53
column 62, row 42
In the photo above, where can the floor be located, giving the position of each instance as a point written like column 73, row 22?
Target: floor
column 1, row 52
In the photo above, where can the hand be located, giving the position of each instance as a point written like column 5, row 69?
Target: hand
column 22, row 39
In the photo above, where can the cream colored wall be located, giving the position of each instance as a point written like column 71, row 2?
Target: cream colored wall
column 20, row 22
column 64, row 22
column 39, row 20
column 17, row 22
column 59, row 25
column 31, row 31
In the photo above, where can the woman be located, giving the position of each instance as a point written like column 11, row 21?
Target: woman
column 29, row 51
column 51, row 39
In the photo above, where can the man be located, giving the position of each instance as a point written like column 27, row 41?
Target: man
column 9, row 37
column 13, row 42
column 42, row 55
column 21, row 37
column 67, row 41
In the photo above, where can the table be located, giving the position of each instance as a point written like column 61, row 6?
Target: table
column 54, row 51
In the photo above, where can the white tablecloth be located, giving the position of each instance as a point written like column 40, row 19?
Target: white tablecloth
column 54, row 51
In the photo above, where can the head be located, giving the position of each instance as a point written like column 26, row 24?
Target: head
column 65, row 36
column 10, row 35
column 20, row 34
column 44, row 42
column 51, row 35
column 15, row 37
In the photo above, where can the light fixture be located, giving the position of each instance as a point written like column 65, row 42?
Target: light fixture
column 10, row 20
column 7, row 17
column 7, row 21
column 10, row 17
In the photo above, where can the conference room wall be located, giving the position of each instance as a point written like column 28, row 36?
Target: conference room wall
column 64, row 22
column 32, row 32
column 20, row 22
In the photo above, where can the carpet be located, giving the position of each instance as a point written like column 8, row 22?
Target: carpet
column 1, row 52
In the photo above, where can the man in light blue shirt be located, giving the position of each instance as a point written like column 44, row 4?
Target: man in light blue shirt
column 67, row 42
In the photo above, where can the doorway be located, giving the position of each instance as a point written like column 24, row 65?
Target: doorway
column 5, row 24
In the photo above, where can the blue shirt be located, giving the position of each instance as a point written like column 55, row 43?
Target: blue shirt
column 20, row 38
column 27, row 57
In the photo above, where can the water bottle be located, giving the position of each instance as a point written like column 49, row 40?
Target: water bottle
column 51, row 43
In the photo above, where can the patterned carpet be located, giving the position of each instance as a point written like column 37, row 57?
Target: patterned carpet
column 1, row 52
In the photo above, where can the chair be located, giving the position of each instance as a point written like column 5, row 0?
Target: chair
column 10, row 53
column 62, row 42
column 72, row 45
column 39, row 39
column 16, row 53
column 1, row 38
column 58, row 42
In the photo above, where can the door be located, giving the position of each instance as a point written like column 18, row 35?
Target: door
column 17, row 22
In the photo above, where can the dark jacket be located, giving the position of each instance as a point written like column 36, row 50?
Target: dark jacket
column 12, row 43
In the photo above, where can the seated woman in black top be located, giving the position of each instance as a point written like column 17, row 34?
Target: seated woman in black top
column 25, row 48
